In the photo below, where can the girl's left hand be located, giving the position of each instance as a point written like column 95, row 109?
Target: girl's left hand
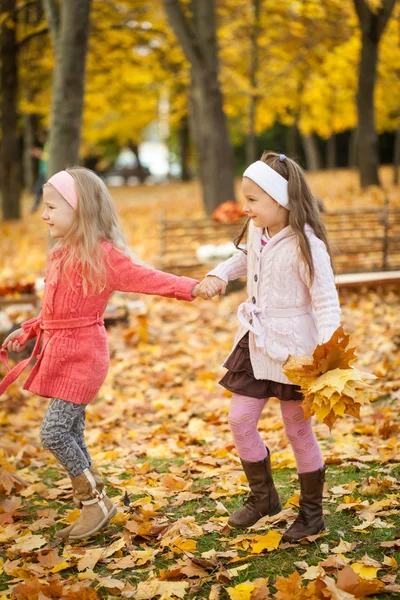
column 197, row 292
column 12, row 344
column 212, row 286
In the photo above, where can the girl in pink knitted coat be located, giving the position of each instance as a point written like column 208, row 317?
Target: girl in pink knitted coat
column 292, row 306
column 89, row 262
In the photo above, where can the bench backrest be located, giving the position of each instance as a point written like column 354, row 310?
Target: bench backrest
column 362, row 241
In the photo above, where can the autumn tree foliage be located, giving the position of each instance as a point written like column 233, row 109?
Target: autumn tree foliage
column 296, row 63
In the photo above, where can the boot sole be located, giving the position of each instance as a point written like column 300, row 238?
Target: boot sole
column 104, row 522
column 271, row 513
column 63, row 536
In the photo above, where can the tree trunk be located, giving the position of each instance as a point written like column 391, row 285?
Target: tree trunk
column 353, row 149
column 70, row 32
column 29, row 139
column 367, row 151
column 10, row 161
column 311, row 151
column 140, row 169
column 372, row 25
column 331, row 152
column 184, row 148
column 210, row 134
column 396, row 158
column 251, row 142
column 293, row 140
column 197, row 37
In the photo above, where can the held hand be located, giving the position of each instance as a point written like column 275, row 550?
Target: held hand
column 211, row 286
column 11, row 344
column 197, row 292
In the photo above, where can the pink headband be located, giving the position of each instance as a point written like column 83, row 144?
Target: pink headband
column 64, row 183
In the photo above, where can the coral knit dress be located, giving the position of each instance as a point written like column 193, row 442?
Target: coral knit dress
column 71, row 350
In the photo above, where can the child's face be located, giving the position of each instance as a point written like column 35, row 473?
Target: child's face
column 58, row 214
column 263, row 210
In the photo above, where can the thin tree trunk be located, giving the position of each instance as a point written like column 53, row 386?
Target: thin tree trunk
column 396, row 158
column 70, row 32
column 353, row 149
column 29, row 139
column 313, row 159
column 331, row 152
column 293, row 140
column 10, row 161
column 184, row 148
column 197, row 37
column 372, row 24
column 251, row 142
column 141, row 171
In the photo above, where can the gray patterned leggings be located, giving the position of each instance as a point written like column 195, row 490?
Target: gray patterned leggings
column 62, row 432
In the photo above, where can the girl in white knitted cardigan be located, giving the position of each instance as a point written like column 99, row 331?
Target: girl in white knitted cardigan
column 292, row 306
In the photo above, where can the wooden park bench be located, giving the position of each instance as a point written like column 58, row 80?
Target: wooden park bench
column 364, row 241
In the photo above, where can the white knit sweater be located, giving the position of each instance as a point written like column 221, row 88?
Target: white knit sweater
column 284, row 313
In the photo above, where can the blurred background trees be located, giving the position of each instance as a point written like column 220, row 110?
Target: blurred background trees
column 146, row 90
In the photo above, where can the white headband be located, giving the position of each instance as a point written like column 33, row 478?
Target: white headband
column 270, row 181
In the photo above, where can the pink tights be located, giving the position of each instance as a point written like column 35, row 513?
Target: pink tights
column 244, row 415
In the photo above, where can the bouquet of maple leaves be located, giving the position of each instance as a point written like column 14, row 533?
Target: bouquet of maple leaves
column 331, row 386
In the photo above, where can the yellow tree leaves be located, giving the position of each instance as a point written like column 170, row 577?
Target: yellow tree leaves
column 330, row 385
column 250, row 590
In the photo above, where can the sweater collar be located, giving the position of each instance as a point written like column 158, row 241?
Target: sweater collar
column 285, row 232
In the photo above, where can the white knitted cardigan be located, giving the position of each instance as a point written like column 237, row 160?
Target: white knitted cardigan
column 284, row 313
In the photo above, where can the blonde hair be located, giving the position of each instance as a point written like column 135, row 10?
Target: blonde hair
column 304, row 208
column 95, row 220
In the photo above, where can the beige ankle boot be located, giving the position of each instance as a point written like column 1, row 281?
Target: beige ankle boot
column 64, row 533
column 97, row 508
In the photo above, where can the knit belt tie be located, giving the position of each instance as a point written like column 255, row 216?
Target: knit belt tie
column 248, row 314
column 45, row 327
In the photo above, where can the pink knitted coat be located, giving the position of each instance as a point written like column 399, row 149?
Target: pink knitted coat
column 74, row 357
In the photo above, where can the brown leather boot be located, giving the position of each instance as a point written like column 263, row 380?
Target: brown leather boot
column 309, row 521
column 97, row 508
column 263, row 499
column 64, row 533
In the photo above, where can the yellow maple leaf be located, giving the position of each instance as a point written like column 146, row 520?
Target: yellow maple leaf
column 331, row 387
column 268, row 542
column 242, row 591
column 250, row 590
column 343, row 547
column 293, row 501
column 183, row 545
column 154, row 587
column 365, row 571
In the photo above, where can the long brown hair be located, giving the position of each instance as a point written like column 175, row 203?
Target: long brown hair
column 95, row 220
column 304, row 208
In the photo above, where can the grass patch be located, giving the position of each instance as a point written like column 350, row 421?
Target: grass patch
column 270, row 564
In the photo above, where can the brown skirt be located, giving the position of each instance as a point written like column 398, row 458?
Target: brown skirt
column 240, row 378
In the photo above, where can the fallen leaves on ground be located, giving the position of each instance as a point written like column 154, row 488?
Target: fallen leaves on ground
column 160, row 435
